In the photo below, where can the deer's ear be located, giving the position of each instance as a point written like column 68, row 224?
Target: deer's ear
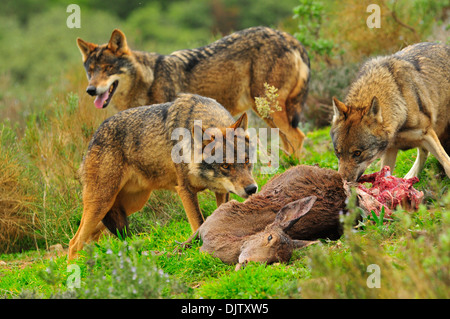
column 299, row 244
column 291, row 213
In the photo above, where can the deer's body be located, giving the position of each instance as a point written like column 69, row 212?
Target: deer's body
column 236, row 231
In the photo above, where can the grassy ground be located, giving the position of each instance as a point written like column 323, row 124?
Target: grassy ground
column 43, row 143
column 411, row 251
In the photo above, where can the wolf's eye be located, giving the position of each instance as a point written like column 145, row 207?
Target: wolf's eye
column 225, row 166
column 269, row 238
column 356, row 153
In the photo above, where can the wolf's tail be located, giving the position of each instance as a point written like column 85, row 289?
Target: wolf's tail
column 295, row 103
column 294, row 106
column 117, row 222
column 445, row 139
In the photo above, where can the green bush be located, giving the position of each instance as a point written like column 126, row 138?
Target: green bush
column 123, row 270
column 311, row 14
column 40, row 65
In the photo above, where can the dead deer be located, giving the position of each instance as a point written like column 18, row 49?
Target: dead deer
column 291, row 211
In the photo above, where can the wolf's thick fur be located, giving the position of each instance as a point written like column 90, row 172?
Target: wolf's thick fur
column 130, row 156
column 397, row 102
column 232, row 70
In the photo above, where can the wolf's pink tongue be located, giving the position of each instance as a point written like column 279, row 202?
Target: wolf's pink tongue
column 100, row 99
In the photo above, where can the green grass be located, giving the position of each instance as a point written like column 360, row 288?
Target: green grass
column 411, row 251
column 40, row 163
column 40, row 193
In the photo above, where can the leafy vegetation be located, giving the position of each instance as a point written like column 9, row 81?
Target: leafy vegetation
column 409, row 251
column 47, row 120
column 311, row 13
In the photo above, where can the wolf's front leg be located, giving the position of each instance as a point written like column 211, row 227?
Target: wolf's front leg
column 389, row 158
column 191, row 206
column 222, row 198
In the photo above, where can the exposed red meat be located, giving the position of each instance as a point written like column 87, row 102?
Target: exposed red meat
column 389, row 191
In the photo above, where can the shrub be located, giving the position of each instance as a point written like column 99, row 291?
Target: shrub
column 117, row 269
column 310, row 14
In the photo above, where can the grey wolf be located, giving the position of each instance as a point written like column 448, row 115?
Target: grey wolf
column 232, row 71
column 397, row 102
column 129, row 156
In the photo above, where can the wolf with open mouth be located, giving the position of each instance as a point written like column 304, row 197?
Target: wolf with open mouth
column 232, row 70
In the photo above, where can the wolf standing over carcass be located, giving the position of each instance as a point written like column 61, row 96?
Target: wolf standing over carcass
column 131, row 154
column 232, row 71
column 397, row 102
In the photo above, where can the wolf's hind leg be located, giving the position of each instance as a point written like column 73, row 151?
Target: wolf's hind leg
column 433, row 145
column 99, row 231
column 291, row 137
column 418, row 165
column 99, row 196
column 88, row 229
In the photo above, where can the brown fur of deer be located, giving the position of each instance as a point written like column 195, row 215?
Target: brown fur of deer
column 292, row 210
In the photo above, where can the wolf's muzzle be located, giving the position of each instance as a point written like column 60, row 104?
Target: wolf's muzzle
column 251, row 189
column 91, row 90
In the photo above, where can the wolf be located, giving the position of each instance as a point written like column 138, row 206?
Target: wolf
column 130, row 155
column 231, row 70
column 397, row 102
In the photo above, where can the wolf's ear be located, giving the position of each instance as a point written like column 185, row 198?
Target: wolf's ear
column 375, row 109
column 118, row 43
column 242, row 122
column 339, row 107
column 198, row 134
column 85, row 48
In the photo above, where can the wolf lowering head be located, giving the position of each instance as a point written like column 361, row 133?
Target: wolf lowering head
column 131, row 155
column 223, row 158
column 112, row 71
column 396, row 102
column 358, row 137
